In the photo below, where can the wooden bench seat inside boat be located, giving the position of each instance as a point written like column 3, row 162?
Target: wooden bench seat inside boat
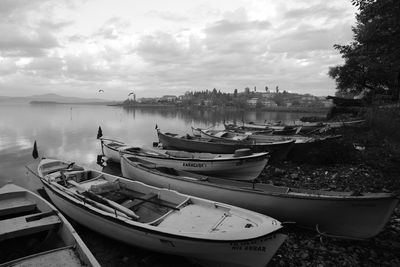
column 58, row 166
column 65, row 256
column 132, row 204
column 115, row 145
column 78, row 176
column 15, row 206
column 29, row 224
column 180, row 154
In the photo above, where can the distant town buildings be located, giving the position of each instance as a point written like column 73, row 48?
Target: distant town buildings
column 245, row 99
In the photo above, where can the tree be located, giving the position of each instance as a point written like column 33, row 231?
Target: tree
column 266, row 88
column 372, row 60
column 278, row 99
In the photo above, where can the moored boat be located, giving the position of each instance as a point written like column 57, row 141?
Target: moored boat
column 160, row 219
column 302, row 145
column 240, row 165
column 342, row 214
column 280, row 128
column 272, row 129
column 278, row 149
column 34, row 233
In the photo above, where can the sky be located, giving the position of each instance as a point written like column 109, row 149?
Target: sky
column 164, row 47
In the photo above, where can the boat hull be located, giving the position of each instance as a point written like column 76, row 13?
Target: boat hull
column 254, row 252
column 348, row 216
column 243, row 169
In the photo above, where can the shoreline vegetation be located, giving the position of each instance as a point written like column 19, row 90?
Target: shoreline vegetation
column 172, row 106
column 277, row 109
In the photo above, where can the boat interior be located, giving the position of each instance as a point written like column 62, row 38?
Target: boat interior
column 29, row 229
column 148, row 205
column 115, row 145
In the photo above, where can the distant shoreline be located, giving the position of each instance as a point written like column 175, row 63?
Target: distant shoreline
column 172, row 106
column 35, row 102
column 275, row 109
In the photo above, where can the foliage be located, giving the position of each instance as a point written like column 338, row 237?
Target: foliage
column 372, row 60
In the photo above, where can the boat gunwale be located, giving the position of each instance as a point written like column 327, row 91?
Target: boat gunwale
column 249, row 138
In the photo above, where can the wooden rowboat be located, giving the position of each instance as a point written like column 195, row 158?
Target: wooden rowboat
column 302, row 145
column 272, row 129
column 296, row 127
column 34, row 233
column 278, row 150
column 160, row 219
column 241, row 165
column 342, row 214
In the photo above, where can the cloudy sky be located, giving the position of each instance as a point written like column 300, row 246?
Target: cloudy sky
column 158, row 47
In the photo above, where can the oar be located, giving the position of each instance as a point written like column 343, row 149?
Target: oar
column 80, row 197
column 85, row 199
column 103, row 200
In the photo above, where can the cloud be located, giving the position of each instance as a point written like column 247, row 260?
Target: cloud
column 161, row 48
column 308, row 38
column 30, row 33
column 7, row 66
column 25, row 42
column 168, row 16
column 112, row 29
column 323, row 10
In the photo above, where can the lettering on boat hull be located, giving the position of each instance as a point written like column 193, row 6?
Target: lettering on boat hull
column 194, row 165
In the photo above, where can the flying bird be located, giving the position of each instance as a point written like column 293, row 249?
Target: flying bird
column 101, row 90
column 131, row 93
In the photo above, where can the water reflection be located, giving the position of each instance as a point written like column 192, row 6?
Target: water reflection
column 213, row 117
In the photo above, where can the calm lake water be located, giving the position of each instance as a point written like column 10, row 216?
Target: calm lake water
column 69, row 132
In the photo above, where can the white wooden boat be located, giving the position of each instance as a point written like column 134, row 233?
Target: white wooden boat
column 343, row 214
column 34, row 233
column 160, row 219
column 242, row 165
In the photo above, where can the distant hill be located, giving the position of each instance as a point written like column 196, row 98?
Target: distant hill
column 53, row 98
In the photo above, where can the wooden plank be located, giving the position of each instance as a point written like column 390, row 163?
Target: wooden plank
column 19, row 226
column 16, row 205
column 64, row 256
column 138, row 201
